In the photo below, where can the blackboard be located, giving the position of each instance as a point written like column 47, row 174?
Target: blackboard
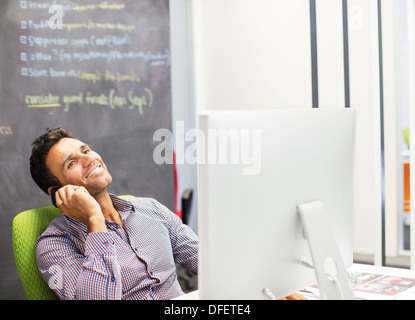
column 98, row 68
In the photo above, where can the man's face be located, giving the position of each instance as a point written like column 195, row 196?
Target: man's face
column 73, row 162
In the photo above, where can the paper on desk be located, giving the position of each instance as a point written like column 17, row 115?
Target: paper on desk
column 371, row 286
column 382, row 287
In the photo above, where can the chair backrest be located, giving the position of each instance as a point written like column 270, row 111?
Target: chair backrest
column 27, row 227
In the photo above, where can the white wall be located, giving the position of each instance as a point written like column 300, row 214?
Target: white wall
column 393, row 165
column 330, row 49
column 256, row 54
column 410, row 80
column 183, row 111
column 251, row 54
column 365, row 98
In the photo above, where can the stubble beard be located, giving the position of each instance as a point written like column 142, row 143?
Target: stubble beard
column 98, row 187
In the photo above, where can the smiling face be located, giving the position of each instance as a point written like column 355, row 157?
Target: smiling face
column 73, row 162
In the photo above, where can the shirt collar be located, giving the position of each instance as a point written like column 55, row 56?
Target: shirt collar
column 122, row 205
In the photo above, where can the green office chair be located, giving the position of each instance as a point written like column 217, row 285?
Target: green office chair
column 406, row 136
column 27, row 227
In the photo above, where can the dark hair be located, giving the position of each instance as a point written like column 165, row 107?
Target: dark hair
column 41, row 174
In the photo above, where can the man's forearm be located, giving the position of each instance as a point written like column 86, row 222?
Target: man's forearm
column 92, row 274
column 100, row 277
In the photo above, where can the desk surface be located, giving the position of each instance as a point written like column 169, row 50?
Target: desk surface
column 368, row 282
column 382, row 283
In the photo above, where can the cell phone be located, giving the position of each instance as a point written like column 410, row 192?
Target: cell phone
column 52, row 195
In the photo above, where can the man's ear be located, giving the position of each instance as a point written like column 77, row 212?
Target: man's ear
column 50, row 189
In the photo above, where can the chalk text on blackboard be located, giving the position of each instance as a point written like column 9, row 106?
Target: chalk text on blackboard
column 110, row 99
column 6, row 130
column 42, row 101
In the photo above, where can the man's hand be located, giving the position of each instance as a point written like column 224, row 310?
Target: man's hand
column 78, row 204
column 294, row 296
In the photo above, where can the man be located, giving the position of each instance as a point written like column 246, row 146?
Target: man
column 104, row 247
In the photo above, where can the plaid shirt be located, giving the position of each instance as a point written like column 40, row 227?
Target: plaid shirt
column 134, row 262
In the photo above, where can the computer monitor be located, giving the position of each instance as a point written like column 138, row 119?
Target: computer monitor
column 255, row 167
